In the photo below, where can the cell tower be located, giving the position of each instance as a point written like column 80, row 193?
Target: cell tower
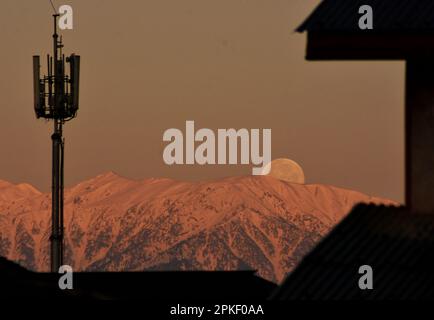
column 56, row 98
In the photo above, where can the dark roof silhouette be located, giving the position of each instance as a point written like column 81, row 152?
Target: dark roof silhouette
column 399, row 247
column 398, row 243
column 403, row 29
column 389, row 15
column 180, row 286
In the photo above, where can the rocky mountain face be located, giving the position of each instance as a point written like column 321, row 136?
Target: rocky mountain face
column 116, row 224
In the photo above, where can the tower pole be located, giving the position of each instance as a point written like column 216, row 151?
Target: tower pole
column 57, row 162
column 61, row 225
column 57, row 193
column 56, row 98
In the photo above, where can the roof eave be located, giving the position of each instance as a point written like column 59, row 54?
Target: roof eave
column 368, row 46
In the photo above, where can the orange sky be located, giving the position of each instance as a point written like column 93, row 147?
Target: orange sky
column 151, row 65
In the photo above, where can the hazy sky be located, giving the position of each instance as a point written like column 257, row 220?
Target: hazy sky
column 150, row 65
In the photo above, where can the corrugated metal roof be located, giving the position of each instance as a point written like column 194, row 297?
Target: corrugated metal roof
column 399, row 246
column 389, row 15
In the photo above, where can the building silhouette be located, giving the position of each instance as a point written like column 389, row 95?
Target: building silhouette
column 397, row 243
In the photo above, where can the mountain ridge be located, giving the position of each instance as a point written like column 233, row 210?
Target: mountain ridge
column 116, row 224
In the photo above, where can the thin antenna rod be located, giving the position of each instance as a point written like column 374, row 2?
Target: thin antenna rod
column 52, row 5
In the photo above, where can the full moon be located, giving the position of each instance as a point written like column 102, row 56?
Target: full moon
column 286, row 170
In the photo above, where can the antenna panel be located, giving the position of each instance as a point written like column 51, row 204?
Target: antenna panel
column 38, row 88
column 74, row 62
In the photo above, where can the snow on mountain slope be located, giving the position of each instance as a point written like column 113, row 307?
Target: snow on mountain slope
column 116, row 224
